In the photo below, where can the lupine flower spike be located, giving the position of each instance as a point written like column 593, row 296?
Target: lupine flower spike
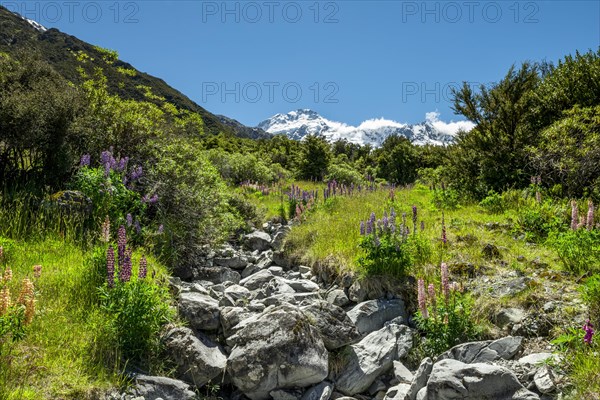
column 589, row 332
column 37, row 271
column 432, row 296
column 7, row 275
column 445, row 282
column 422, row 298
column 574, row 214
column 143, row 268
column 5, row 301
column 105, row 232
column 590, row 215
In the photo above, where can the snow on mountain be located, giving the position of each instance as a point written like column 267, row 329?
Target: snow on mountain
column 39, row 27
column 297, row 124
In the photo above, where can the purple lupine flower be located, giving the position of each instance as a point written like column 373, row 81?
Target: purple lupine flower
column 106, row 158
column 125, row 271
column 444, row 237
column 143, row 268
column 85, row 160
column 161, row 228
column 574, row 214
column 414, row 218
column 589, row 332
column 153, row 199
column 137, row 227
column 106, row 170
column 110, row 266
column 122, row 165
column 369, row 227
column 421, row 298
column 590, row 215
column 129, row 219
column 372, row 218
column 386, row 222
column 121, row 245
column 137, row 173
column 445, row 281
column 362, row 228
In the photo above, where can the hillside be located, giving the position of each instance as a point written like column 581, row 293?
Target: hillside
column 58, row 49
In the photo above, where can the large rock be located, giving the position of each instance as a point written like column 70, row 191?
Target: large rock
column 217, row 275
column 235, row 262
column 258, row 240
column 231, row 317
column 322, row 391
column 201, row 311
column 198, row 360
column 372, row 357
column 420, row 379
column 397, row 392
column 485, row 351
column 371, row 315
column 155, row 387
column 544, row 380
column 338, row 297
column 303, row 285
column 451, row 380
column 280, row 349
column 257, row 280
column 336, row 328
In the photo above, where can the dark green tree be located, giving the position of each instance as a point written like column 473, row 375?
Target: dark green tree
column 397, row 160
column 314, row 159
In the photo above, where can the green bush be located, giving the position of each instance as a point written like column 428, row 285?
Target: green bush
column 238, row 168
column 493, row 203
column 590, row 292
column 446, row 199
column 536, row 220
column 344, row 173
column 579, row 251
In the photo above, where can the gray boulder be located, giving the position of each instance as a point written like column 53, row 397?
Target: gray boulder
column 420, row 379
column 217, row 275
column 235, row 262
column 371, row 315
column 485, row 351
column 279, row 349
column 231, row 317
column 257, row 280
column 372, row 357
column 198, row 360
column 336, row 328
column 258, row 240
column 544, row 380
column 338, row 297
column 322, row 391
column 397, row 392
column 201, row 311
column 402, row 374
column 451, row 380
column 157, row 387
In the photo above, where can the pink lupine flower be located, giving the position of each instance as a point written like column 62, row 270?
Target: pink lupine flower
column 574, row 214
column 422, row 299
column 432, row 295
column 110, row 266
column 590, row 215
column 445, row 282
column 143, row 268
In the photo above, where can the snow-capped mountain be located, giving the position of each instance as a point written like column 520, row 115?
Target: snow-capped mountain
column 297, row 124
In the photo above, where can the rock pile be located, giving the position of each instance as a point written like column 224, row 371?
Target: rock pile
column 261, row 328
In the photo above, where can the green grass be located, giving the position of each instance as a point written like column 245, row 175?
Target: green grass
column 65, row 353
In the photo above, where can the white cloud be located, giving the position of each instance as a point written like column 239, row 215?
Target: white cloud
column 377, row 123
column 449, row 128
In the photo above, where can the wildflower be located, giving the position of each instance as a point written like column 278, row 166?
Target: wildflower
column 362, row 228
column 431, row 294
column 105, row 231
column 5, row 301
column 372, row 218
column 574, row 214
column 27, row 292
column 421, row 298
column 37, row 271
column 122, row 164
column 445, row 282
column 589, row 332
column 590, row 215
column 137, row 173
column 386, row 222
column 161, row 228
column 414, row 218
column 129, row 220
column 121, row 245
column 143, row 268
column 29, row 310
column 153, row 199
column 110, row 266
column 85, row 160
column 137, row 226
column 8, row 275
column 582, row 222
column 125, row 271
column 369, row 227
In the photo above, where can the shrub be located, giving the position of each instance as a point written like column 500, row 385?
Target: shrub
column 344, row 174
column 579, row 251
column 446, row 199
column 536, row 220
column 590, row 292
column 386, row 247
column 493, row 203
column 445, row 317
column 238, row 168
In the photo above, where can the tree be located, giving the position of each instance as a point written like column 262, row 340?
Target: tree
column 397, row 160
column 314, row 159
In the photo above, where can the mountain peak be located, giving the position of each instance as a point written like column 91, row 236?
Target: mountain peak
column 302, row 122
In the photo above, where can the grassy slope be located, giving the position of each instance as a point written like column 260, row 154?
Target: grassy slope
column 332, row 229
column 57, row 357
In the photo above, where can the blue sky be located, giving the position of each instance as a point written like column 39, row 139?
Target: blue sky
column 348, row 60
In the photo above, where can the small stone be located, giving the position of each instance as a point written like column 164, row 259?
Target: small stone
column 544, row 380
